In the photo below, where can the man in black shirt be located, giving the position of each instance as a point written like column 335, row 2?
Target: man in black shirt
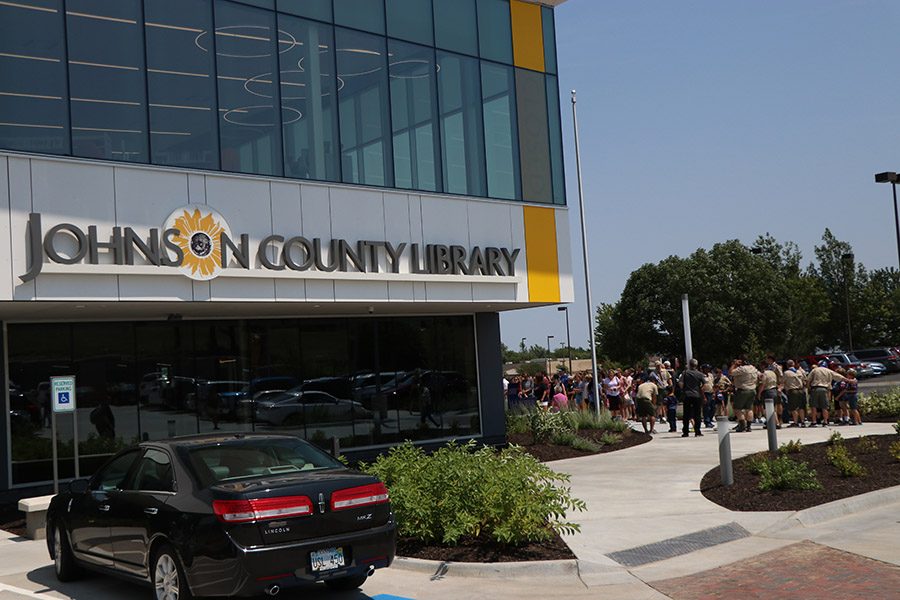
column 691, row 384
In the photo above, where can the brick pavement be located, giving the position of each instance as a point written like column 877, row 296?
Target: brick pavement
column 803, row 571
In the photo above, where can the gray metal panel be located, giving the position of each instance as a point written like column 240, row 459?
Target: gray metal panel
column 490, row 376
column 677, row 546
column 4, row 413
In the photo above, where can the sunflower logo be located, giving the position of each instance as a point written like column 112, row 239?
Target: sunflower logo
column 200, row 231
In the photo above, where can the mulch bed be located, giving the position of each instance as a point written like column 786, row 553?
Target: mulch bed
column 744, row 495
column 471, row 550
column 11, row 519
column 551, row 452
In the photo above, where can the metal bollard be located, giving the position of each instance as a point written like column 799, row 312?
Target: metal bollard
column 724, row 431
column 770, row 425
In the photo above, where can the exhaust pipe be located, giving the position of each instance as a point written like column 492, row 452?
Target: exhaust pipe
column 370, row 571
column 273, row 590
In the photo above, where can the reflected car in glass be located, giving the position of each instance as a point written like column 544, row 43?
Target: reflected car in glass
column 296, row 407
column 224, row 515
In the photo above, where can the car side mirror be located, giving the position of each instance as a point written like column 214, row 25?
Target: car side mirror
column 79, row 486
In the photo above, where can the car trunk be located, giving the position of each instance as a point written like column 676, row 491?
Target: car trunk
column 322, row 521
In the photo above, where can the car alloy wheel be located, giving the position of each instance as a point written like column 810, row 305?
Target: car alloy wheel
column 57, row 551
column 165, row 578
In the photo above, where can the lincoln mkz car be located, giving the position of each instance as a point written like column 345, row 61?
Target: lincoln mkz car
column 224, row 515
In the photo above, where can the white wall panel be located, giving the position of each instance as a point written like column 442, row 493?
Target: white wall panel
column 19, row 170
column 287, row 220
column 358, row 215
column 564, row 250
column 517, row 232
column 316, row 221
column 397, row 230
column 158, row 287
column 448, row 292
column 494, row 292
column 6, row 269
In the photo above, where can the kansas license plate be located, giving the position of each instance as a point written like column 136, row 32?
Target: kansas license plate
column 327, row 559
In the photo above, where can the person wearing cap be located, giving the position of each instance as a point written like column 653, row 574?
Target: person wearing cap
column 663, row 381
column 691, row 384
column 768, row 388
column 708, row 389
column 745, row 379
column 645, row 403
column 849, row 400
column 795, row 388
column 723, row 392
column 819, row 385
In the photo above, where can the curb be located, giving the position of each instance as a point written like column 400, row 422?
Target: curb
column 440, row 569
column 822, row 513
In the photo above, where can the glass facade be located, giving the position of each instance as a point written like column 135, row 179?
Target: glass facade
column 414, row 94
column 365, row 382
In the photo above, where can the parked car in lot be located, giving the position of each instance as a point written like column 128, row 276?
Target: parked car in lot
column 850, row 361
column 886, row 356
column 217, row 515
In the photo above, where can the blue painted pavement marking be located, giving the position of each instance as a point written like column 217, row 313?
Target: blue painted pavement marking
column 389, row 597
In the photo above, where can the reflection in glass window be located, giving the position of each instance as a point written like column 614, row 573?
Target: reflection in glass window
column 367, row 15
column 495, row 30
column 363, row 96
column 462, row 135
column 501, row 146
column 246, row 46
column 454, row 26
column 414, row 116
column 556, row 142
column 182, row 92
column 549, row 27
column 106, row 79
column 410, row 20
column 34, row 116
column 534, row 142
column 313, row 9
column 308, row 100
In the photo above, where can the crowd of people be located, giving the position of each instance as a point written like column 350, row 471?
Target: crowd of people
column 803, row 395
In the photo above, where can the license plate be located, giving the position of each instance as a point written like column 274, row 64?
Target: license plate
column 327, row 559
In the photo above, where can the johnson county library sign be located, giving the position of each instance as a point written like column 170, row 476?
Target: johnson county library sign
column 197, row 242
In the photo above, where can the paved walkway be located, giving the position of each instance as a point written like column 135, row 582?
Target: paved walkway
column 647, row 495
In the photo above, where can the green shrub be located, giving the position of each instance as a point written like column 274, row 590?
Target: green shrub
column 791, row 447
column 518, row 421
column 585, row 445
column 782, row 473
column 459, row 491
column 897, row 427
column 894, row 449
column 757, row 463
column 836, row 439
column 880, row 405
column 588, row 420
column 610, row 439
column 546, row 425
column 866, row 445
column 844, row 462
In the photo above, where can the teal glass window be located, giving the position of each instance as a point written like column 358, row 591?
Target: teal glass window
column 246, row 48
column 410, row 20
column 549, row 26
column 501, row 147
column 364, row 108
column 270, row 4
column 181, row 84
column 462, row 132
column 313, row 9
column 455, row 26
column 34, row 112
column 414, row 116
column 367, row 15
column 556, row 141
column 308, row 99
column 534, row 136
column 495, row 30
column 106, row 79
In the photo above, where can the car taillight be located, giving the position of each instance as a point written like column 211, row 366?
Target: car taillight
column 364, row 495
column 248, row 511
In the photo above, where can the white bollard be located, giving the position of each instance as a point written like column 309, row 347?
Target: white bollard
column 724, row 432
column 770, row 425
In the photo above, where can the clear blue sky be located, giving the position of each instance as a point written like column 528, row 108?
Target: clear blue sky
column 708, row 120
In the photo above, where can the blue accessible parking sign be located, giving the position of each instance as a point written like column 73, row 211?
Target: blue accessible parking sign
column 62, row 391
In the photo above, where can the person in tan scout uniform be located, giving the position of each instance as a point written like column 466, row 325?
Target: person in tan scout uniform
column 819, row 384
column 645, row 403
column 795, row 388
column 744, row 378
column 769, row 384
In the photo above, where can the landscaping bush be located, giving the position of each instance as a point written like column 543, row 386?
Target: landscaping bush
column 588, row 420
column 610, row 439
column 897, row 427
column 894, row 449
column 462, row 491
column 757, row 463
column 573, row 440
column 782, row 473
column 518, row 421
column 866, row 445
column 836, row 439
column 791, row 447
column 844, row 462
column 880, row 405
column 546, row 425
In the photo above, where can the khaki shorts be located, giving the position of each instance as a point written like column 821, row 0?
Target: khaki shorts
column 818, row 398
column 796, row 400
column 645, row 408
column 743, row 399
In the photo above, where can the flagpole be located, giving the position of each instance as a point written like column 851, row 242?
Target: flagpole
column 584, row 252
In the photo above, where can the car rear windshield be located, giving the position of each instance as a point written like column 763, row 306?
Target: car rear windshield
column 241, row 459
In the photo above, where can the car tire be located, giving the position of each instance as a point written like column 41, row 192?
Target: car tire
column 167, row 576
column 346, row 584
column 64, row 564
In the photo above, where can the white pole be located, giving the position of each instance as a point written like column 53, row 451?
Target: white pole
column 584, row 252
column 686, row 314
column 55, row 455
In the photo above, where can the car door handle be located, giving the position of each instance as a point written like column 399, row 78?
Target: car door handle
column 104, row 508
column 151, row 511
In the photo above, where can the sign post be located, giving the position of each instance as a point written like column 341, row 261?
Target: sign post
column 62, row 393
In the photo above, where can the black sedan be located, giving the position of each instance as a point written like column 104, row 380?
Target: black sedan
column 224, row 515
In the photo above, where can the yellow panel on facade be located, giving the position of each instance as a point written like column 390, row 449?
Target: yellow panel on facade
column 528, row 35
column 541, row 255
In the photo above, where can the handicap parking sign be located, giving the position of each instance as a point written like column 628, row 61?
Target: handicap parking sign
column 62, row 390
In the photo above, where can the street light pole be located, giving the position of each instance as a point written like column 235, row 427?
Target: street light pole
column 891, row 177
column 565, row 309
column 549, row 354
column 584, row 252
column 848, row 259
